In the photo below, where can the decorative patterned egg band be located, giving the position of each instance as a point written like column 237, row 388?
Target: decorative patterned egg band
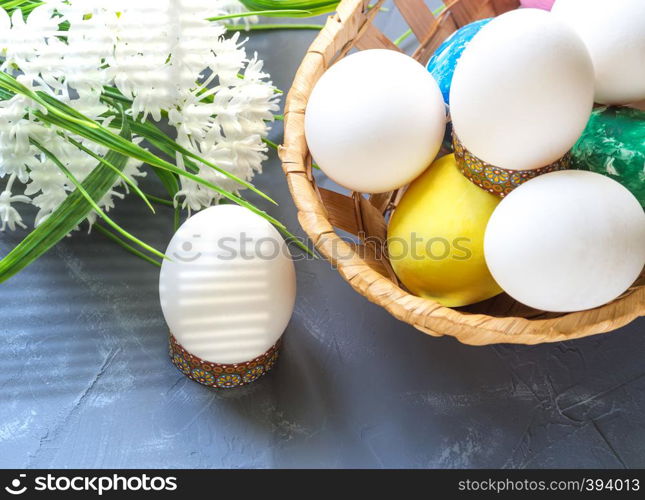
column 499, row 181
column 222, row 376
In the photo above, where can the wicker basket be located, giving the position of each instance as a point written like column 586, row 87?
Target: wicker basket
column 323, row 212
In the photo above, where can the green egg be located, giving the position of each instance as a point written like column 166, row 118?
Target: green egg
column 613, row 144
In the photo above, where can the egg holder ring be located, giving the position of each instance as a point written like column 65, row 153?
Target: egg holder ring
column 220, row 375
column 321, row 212
column 496, row 180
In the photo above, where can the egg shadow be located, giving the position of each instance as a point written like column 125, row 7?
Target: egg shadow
column 283, row 408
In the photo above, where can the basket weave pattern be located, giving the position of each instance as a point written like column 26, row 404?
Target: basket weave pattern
column 322, row 212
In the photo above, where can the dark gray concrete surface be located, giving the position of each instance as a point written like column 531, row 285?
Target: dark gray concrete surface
column 85, row 380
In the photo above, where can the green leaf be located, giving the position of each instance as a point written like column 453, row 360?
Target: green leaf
column 63, row 220
column 315, row 7
column 68, row 118
column 162, row 142
column 166, row 145
column 62, row 116
column 25, row 6
column 125, row 245
column 263, row 27
column 94, row 204
column 102, row 160
column 112, row 96
column 156, row 162
column 265, row 13
column 160, row 201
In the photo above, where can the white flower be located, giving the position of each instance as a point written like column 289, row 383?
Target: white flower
column 164, row 56
column 48, row 202
column 45, row 178
column 9, row 216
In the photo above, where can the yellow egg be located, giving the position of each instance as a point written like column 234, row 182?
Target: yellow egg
column 436, row 237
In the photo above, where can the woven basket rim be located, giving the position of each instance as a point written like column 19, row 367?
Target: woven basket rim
column 337, row 37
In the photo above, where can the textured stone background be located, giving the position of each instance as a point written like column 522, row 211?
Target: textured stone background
column 85, row 380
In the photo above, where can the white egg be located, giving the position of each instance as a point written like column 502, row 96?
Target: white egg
column 522, row 91
column 566, row 241
column 229, row 290
column 614, row 33
column 375, row 121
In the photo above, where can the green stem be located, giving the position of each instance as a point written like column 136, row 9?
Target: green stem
column 265, row 13
column 160, row 201
column 312, row 7
column 176, row 221
column 270, row 143
column 93, row 204
column 262, row 27
column 124, row 244
column 103, row 161
column 403, row 37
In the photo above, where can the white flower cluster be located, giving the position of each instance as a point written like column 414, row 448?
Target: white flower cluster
column 164, row 56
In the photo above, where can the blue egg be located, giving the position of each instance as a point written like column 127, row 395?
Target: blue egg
column 442, row 64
